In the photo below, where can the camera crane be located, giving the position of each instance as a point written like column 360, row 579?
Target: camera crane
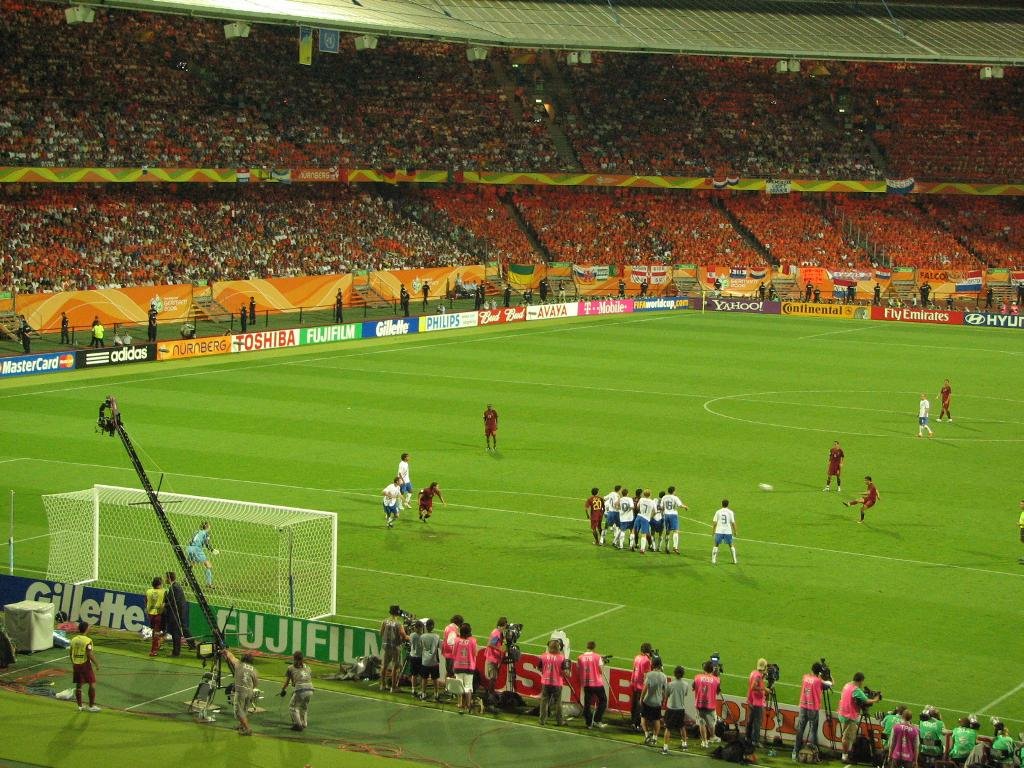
column 109, row 421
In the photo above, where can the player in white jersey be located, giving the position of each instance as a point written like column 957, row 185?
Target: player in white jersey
column 404, row 481
column 644, row 515
column 725, row 528
column 670, row 506
column 924, row 407
column 611, row 514
column 392, row 501
column 625, row 522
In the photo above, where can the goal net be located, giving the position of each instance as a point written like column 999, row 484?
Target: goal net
column 270, row 559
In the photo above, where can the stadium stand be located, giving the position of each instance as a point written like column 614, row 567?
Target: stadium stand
column 993, row 230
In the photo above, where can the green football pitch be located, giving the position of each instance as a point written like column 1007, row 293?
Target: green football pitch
column 925, row 597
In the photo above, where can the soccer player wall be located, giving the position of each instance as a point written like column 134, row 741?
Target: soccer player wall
column 261, row 557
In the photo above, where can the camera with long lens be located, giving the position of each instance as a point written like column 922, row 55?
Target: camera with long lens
column 771, row 675
column 826, row 672
column 109, row 416
column 717, row 668
column 511, row 637
column 870, row 694
column 655, row 656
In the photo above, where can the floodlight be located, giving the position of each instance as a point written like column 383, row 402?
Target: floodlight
column 235, row 29
column 365, row 43
column 79, row 14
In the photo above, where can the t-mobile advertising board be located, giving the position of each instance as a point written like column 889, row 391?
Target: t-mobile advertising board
column 606, row 307
column 735, row 304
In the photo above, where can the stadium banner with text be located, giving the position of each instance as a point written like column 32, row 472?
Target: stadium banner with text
column 260, row 340
column 661, row 304
column 732, row 304
column 439, row 281
column 918, row 315
column 132, row 353
column 31, row 365
column 841, row 311
column 501, row 315
column 448, row 322
column 605, row 307
column 551, row 311
column 379, row 329
column 283, row 293
column 106, row 608
column 733, row 280
column 283, row 635
column 991, row 320
column 200, row 347
column 110, row 305
column 326, row 334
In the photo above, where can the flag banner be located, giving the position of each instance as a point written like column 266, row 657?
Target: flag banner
column 654, row 275
column 843, row 282
column 1017, row 278
column 778, row 187
column 284, row 177
column 590, row 274
column 738, row 273
column 242, row 175
column 854, row 275
column 757, row 274
column 899, row 186
column 971, row 282
column 883, row 274
column 306, row 45
column 330, row 40
column 521, row 275
column 710, row 276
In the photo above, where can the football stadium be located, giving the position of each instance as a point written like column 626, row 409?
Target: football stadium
column 562, row 383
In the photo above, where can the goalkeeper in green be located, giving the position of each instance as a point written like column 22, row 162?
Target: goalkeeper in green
column 197, row 550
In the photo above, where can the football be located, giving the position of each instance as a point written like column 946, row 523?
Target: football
column 766, row 487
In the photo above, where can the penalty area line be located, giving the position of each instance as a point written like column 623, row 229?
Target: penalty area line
column 158, row 698
column 575, row 623
column 985, row 710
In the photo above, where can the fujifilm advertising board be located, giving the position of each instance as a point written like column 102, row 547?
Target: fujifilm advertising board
column 327, row 334
column 103, row 607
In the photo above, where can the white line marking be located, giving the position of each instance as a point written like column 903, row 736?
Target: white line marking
column 833, row 333
column 22, row 670
column 575, row 623
column 1001, row 699
column 158, row 698
column 30, row 538
column 476, row 586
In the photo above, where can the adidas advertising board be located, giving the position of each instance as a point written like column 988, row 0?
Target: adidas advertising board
column 93, row 358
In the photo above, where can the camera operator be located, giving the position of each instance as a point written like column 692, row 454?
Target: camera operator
column 641, row 666
column 392, row 635
column 1003, row 746
column 589, row 665
column 706, row 692
column 932, row 730
column 551, row 664
column 757, row 699
column 963, row 741
column 247, row 680
column 852, row 701
column 451, row 634
column 904, row 743
column 464, row 664
column 811, row 688
column 301, row 676
column 494, row 653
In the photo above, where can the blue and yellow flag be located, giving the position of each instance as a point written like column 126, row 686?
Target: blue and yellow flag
column 306, row 46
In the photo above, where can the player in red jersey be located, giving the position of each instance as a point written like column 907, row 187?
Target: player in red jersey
column 945, row 394
column 491, row 427
column 835, row 465
column 595, row 511
column 427, row 501
column 867, row 501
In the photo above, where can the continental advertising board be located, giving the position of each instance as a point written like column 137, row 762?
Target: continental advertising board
column 31, row 365
column 185, row 348
column 917, row 315
column 836, row 311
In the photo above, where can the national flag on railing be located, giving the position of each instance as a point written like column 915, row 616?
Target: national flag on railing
column 521, row 275
column 330, row 40
column 710, row 276
column 738, row 273
column 883, row 274
column 971, row 282
column 242, row 175
column 306, row 45
column 757, row 274
column 845, row 282
column 1017, row 278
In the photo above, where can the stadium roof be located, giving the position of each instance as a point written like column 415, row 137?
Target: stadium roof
column 932, row 30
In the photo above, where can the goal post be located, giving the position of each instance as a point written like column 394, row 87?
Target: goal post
column 271, row 559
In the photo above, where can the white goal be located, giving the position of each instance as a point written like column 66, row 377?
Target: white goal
column 270, row 559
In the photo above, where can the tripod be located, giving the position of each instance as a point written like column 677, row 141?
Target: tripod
column 828, row 718
column 773, row 702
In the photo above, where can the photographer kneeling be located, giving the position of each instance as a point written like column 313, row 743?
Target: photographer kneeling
column 247, row 680
column 932, row 730
column 852, row 701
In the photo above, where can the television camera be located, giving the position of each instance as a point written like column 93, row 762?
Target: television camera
column 771, row 676
column 717, row 668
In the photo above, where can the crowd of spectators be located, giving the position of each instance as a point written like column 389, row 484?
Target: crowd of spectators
column 480, row 212
column 135, row 89
column 80, row 238
column 993, row 230
column 904, row 233
column 795, row 230
column 624, row 226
